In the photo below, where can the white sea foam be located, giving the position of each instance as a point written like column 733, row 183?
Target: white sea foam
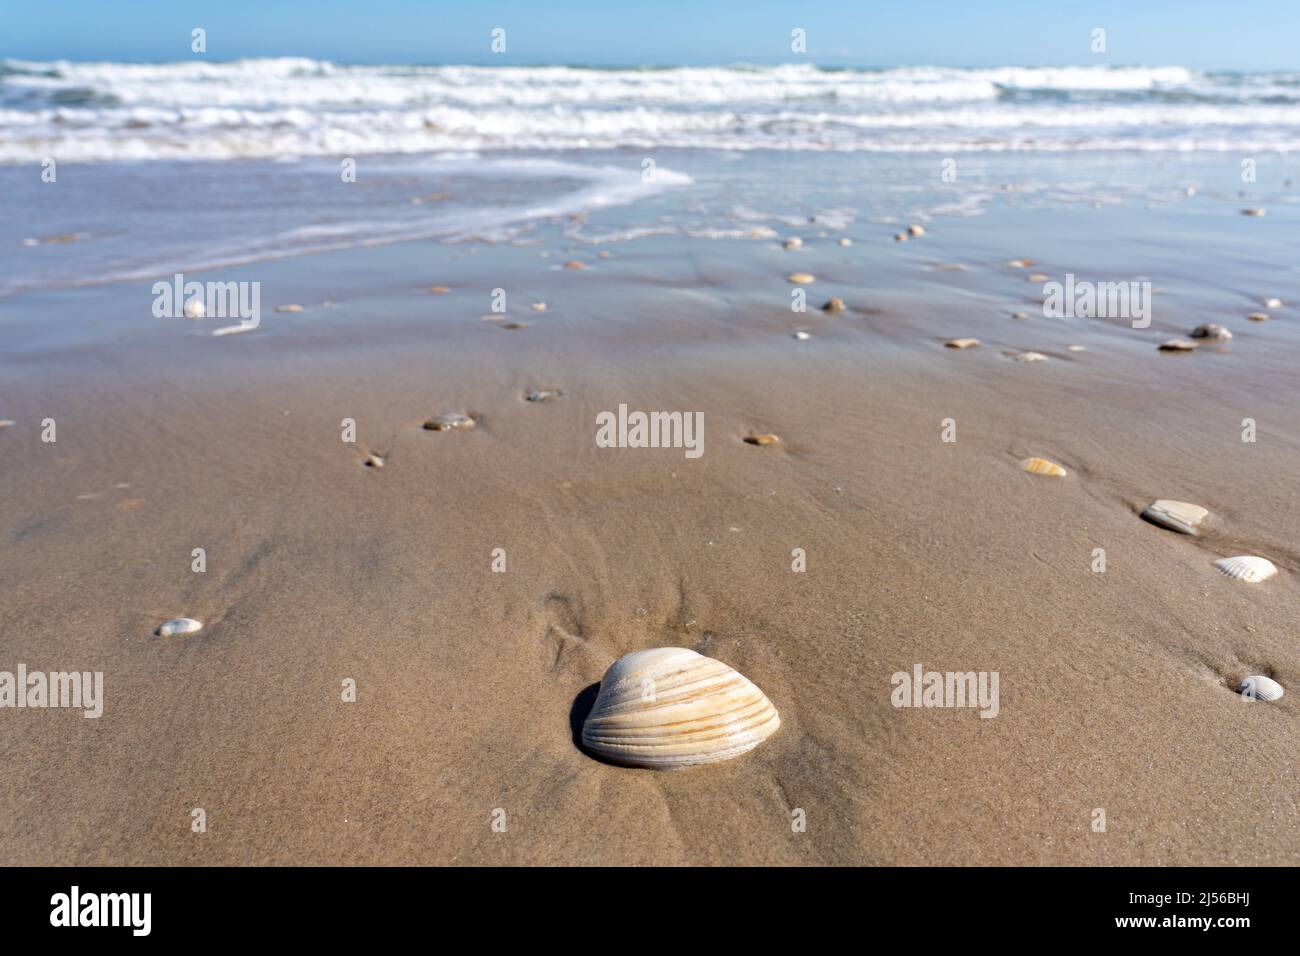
column 295, row 107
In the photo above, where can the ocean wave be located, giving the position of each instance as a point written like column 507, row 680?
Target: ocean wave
column 289, row 107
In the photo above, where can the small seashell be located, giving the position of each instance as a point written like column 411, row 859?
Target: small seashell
column 833, row 305
column 794, row 242
column 575, row 264
column 1041, row 466
column 450, row 422
column 1273, row 303
column 900, row 237
column 179, row 625
column 802, row 336
column 1211, row 330
column 7, row 423
column 539, row 306
column 1020, row 315
column 962, row 343
column 800, row 278
column 373, row 461
column 236, row 329
column 846, row 241
column 292, row 307
column 1247, row 567
column 1020, row 263
column 195, row 309
column 514, row 326
column 1030, row 357
column 1259, row 316
column 1075, row 348
column 439, row 289
column 1176, row 515
column 1177, row 345
column 670, row 708
column 543, row 394
column 762, row 439
column 1254, row 211
column 1259, row 687
column 916, row 230
column 1037, row 277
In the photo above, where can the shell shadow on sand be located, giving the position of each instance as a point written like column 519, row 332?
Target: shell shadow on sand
column 578, row 712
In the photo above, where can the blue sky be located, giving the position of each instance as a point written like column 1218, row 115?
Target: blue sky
column 1210, row 34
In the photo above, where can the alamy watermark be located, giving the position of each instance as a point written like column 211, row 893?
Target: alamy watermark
column 77, row 690
column 923, row 688
column 1098, row 300
column 651, row 430
column 200, row 300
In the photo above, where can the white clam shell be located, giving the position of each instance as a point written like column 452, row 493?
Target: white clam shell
column 669, row 708
column 1247, row 567
column 180, row 625
column 1261, row 688
column 1176, row 515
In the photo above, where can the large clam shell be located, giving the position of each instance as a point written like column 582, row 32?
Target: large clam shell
column 1262, row 688
column 1176, row 515
column 1247, row 567
column 669, row 708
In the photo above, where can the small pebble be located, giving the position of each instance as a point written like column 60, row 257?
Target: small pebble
column 1211, row 330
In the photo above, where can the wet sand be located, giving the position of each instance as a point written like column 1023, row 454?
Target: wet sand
column 1117, row 688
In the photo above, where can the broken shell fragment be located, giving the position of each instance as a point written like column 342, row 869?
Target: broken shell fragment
column 801, row 278
column 451, row 422
column 1211, row 330
column 1247, row 567
column 670, row 708
column 1041, row 466
column 1259, row 687
column 180, row 625
column 1177, row 516
column 962, row 343
column 1177, row 345
column 762, row 439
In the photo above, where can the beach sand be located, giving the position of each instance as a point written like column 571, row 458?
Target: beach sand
column 1117, row 688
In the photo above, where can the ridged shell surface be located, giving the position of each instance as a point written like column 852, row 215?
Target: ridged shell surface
column 670, row 708
column 1247, row 567
column 1261, row 688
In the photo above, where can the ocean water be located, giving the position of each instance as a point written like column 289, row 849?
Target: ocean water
column 203, row 165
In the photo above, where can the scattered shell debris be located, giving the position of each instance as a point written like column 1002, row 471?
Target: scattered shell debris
column 1180, row 516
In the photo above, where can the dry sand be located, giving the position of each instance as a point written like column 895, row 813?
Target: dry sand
column 1116, row 687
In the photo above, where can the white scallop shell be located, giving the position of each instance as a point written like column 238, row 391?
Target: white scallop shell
column 669, row 708
column 1247, row 567
column 1261, row 688
column 180, row 625
column 1176, row 515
